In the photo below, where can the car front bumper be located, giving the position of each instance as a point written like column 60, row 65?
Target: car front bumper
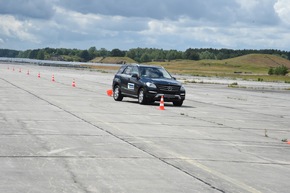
column 154, row 96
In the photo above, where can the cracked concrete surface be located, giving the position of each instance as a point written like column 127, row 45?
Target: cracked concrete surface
column 56, row 138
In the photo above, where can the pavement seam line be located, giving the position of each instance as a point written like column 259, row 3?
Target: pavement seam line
column 80, row 185
column 196, row 164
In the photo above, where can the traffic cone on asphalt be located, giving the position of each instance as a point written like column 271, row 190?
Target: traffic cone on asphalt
column 38, row 75
column 109, row 92
column 27, row 72
column 73, row 83
column 161, row 106
column 52, row 78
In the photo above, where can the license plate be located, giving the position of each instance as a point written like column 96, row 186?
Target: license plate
column 169, row 96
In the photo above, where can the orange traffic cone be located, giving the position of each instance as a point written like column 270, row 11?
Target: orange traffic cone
column 161, row 106
column 38, row 75
column 109, row 92
column 288, row 142
column 52, row 78
column 27, row 72
column 73, row 83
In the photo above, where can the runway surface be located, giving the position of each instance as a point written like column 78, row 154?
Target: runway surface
column 58, row 138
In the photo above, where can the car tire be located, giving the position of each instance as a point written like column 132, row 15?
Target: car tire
column 117, row 95
column 142, row 97
column 178, row 103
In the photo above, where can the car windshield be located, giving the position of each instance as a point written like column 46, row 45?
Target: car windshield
column 154, row 72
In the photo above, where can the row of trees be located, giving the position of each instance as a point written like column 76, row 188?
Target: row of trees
column 138, row 54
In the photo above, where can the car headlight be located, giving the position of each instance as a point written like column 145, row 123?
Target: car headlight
column 182, row 88
column 151, row 85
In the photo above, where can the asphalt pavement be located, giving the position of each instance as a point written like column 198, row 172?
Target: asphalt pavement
column 58, row 138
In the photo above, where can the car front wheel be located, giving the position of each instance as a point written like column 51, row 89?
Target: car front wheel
column 178, row 103
column 142, row 97
column 117, row 93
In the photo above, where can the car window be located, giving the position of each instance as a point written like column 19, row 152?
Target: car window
column 128, row 70
column 135, row 70
column 120, row 71
column 164, row 73
column 153, row 72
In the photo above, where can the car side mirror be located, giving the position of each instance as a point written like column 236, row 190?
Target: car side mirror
column 173, row 78
column 135, row 76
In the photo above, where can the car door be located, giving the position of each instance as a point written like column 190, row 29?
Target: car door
column 133, row 82
column 125, row 78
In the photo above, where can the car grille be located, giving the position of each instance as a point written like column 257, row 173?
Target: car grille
column 168, row 88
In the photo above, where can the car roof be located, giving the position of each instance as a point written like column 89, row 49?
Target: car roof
column 144, row 65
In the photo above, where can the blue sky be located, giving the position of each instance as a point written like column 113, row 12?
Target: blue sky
column 125, row 24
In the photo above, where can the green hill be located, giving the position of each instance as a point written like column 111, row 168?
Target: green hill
column 252, row 66
column 113, row 60
column 260, row 60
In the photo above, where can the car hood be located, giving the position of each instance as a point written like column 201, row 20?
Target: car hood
column 162, row 81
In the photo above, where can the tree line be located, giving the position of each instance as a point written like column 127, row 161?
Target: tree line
column 140, row 55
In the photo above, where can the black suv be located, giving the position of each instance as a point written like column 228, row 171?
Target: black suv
column 148, row 84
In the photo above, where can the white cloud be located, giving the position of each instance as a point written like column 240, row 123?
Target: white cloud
column 80, row 21
column 248, row 5
column 100, row 25
column 11, row 27
column 28, row 8
column 282, row 8
column 174, row 24
column 156, row 27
